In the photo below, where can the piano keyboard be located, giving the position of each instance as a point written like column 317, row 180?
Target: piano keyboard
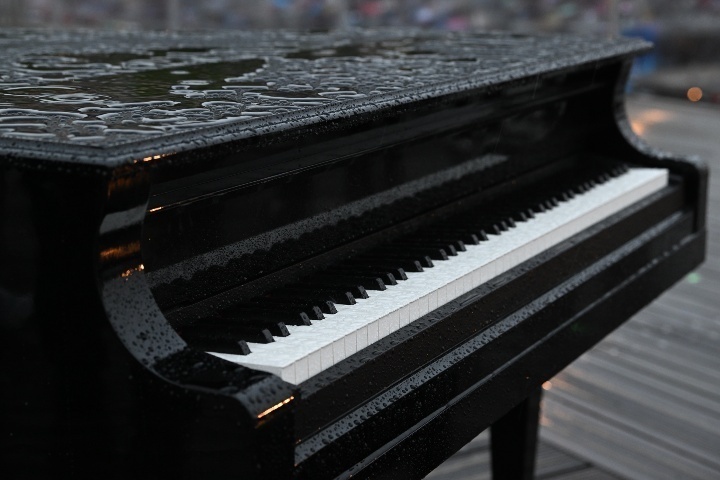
column 378, row 305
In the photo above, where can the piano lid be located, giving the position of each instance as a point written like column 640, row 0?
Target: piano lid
column 143, row 95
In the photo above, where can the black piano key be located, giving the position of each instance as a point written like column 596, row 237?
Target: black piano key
column 482, row 235
column 412, row 266
column 315, row 313
column 226, row 334
column 495, row 230
column 448, row 247
column 455, row 234
column 369, row 268
column 520, row 216
column 459, row 246
column 389, row 279
column 473, row 238
column 373, row 283
column 327, row 306
column 253, row 335
column 407, row 263
column 469, row 235
column 320, row 301
column 277, row 329
column 268, row 301
column 369, row 282
column 383, row 273
column 335, row 294
column 404, row 259
column 489, row 223
column 252, row 311
column 399, row 274
column 441, row 235
column 494, row 215
column 344, row 298
column 297, row 319
column 466, row 238
column 340, row 297
column 433, row 252
column 392, row 274
column 357, row 290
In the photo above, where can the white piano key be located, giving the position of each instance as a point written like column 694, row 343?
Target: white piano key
column 432, row 300
column 384, row 327
column 373, row 332
column 404, row 316
column 310, row 349
column 301, row 369
column 315, row 363
column 362, row 337
column 441, row 295
column 350, row 344
column 338, row 350
column 394, row 321
column 326, row 357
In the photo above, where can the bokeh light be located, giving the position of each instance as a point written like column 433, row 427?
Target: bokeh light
column 694, row 94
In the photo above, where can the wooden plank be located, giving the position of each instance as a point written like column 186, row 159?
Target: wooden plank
column 667, row 356
column 473, row 462
column 679, row 328
column 617, row 450
column 586, row 474
column 676, row 433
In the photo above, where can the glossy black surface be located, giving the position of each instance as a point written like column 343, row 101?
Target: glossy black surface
column 99, row 88
column 124, row 222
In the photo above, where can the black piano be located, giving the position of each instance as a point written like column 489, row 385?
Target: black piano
column 279, row 255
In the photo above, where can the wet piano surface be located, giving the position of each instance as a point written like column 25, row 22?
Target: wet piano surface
column 166, row 196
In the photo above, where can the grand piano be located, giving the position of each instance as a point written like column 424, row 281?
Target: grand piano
column 323, row 255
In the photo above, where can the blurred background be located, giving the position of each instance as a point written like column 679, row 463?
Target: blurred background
column 685, row 32
column 645, row 403
column 587, row 16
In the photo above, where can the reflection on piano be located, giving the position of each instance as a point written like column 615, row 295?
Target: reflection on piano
column 275, row 255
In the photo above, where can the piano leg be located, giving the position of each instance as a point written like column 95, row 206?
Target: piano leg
column 513, row 440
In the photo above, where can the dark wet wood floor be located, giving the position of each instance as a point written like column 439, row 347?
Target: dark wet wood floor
column 645, row 402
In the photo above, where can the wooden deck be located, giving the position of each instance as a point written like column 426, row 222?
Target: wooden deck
column 645, row 402
column 472, row 462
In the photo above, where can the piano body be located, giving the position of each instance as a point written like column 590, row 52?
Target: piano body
column 274, row 255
